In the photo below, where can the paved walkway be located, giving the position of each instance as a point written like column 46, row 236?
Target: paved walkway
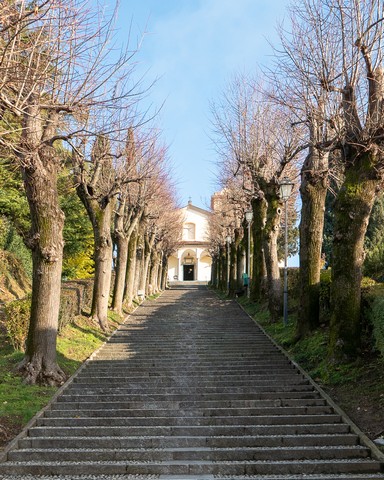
column 190, row 388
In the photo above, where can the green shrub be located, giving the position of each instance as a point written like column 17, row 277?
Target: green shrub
column 373, row 315
column 69, row 306
column 374, row 262
column 377, row 318
column 17, row 315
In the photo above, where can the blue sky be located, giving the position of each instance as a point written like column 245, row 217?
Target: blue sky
column 194, row 47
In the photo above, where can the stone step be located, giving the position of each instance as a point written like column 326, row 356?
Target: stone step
column 189, row 421
column 229, row 364
column 288, row 401
column 199, row 346
column 166, row 358
column 190, row 390
column 206, row 377
column 178, row 467
column 188, row 394
column 190, row 430
column 178, row 382
column 203, row 376
column 148, row 388
column 175, row 371
column 190, row 454
column 188, row 441
column 218, row 412
column 305, row 476
column 288, row 398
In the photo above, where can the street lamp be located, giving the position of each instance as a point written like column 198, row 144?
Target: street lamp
column 229, row 240
column 248, row 218
column 285, row 192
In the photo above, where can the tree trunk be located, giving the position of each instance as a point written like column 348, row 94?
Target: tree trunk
column 39, row 364
column 214, row 272
column 100, row 213
column 259, row 208
column 270, row 236
column 140, row 263
column 131, row 269
column 236, row 259
column 149, row 241
column 232, row 268
column 120, row 273
column 352, row 210
column 223, row 269
column 164, row 272
column 152, row 277
column 160, row 270
column 103, row 265
column 313, row 192
column 125, row 224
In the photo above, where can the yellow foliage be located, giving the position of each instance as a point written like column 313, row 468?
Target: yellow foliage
column 80, row 265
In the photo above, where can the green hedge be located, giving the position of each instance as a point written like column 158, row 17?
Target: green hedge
column 17, row 321
column 75, row 297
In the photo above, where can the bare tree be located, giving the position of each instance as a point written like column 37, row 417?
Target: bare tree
column 127, row 216
column 54, row 71
column 168, row 235
column 351, row 76
column 158, row 201
column 140, row 228
column 263, row 145
column 227, row 219
column 97, row 187
column 305, row 52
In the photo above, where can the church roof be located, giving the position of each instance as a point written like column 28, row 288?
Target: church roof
column 189, row 206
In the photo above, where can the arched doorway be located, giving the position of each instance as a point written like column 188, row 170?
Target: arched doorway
column 189, row 265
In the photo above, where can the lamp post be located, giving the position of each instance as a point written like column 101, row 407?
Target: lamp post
column 228, row 239
column 248, row 218
column 285, row 192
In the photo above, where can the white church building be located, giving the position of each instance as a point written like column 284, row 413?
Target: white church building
column 192, row 261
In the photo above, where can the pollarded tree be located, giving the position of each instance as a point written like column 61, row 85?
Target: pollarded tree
column 232, row 117
column 97, row 188
column 169, row 238
column 150, row 168
column 142, row 158
column 354, row 76
column 228, row 207
column 263, row 145
column 54, row 73
column 158, row 200
column 126, row 217
column 29, row 51
column 302, row 56
column 168, row 235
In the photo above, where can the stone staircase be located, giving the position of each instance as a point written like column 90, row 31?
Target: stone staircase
column 190, row 388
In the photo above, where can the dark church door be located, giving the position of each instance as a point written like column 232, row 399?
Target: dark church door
column 189, row 271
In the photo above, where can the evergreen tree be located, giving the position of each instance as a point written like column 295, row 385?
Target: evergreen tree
column 374, row 242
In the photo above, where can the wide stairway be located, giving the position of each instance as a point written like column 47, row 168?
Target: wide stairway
column 190, row 388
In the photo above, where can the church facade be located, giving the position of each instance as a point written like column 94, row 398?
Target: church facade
column 192, row 261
